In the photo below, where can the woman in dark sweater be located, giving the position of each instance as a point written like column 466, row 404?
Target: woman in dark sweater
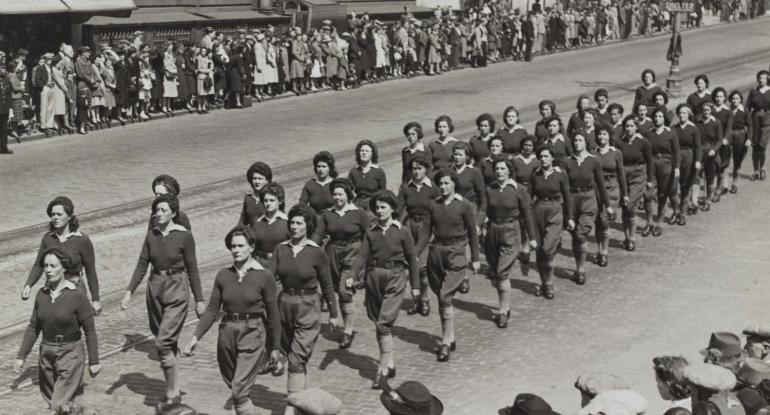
column 644, row 93
column 344, row 224
column 387, row 255
column 547, row 110
column 170, row 248
column 441, row 147
column 246, row 293
column 167, row 184
column 701, row 95
column 614, row 177
column 758, row 104
column 660, row 100
column 64, row 232
column 637, row 164
column 451, row 223
column 316, row 192
column 485, row 124
column 711, row 139
column 62, row 357
column 302, row 266
column 414, row 199
column 689, row 159
column 724, row 116
column 487, row 164
column 271, row 228
column 470, row 185
column 258, row 175
column 512, row 132
column 509, row 205
column 665, row 159
column 550, row 191
column 415, row 149
column 367, row 177
column 523, row 166
column 741, row 134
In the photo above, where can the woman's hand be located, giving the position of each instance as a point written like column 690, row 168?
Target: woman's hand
column 18, row 365
column 533, row 244
column 748, row 143
column 650, row 185
column 126, row 299
column 571, row 225
column 349, row 282
column 190, row 348
column 724, row 142
column 697, row 165
column 25, row 292
column 333, row 322
column 275, row 355
column 676, row 172
column 97, row 306
column 476, row 265
column 94, row 370
column 200, row 308
column 712, row 153
column 415, row 294
column 610, row 211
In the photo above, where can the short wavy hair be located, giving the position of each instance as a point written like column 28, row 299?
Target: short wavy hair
column 670, row 371
column 307, row 213
column 240, row 230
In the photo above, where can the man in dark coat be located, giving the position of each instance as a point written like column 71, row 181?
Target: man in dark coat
column 528, row 32
column 6, row 103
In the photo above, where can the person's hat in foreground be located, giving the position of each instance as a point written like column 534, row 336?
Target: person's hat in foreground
column 410, row 398
column 315, row 402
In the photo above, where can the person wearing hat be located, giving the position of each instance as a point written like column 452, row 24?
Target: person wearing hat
column 616, row 402
column 335, row 59
column 64, row 232
column 137, row 39
column 88, row 80
column 260, row 65
column 272, row 47
column 314, row 401
column 529, row 404
column 449, row 228
column 591, row 384
column 300, row 58
column 164, row 184
column 207, row 41
column 712, row 383
column 672, row 385
column 758, row 341
column 44, row 77
column 413, row 398
column 724, row 349
column 302, row 267
column 752, row 373
column 258, row 175
column 247, row 294
column 61, row 361
column 170, row 249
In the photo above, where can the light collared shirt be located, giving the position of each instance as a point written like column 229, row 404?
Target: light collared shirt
column 514, row 128
column 420, row 146
column 606, row 149
column 63, row 285
column 509, row 182
column 460, row 169
column 277, row 215
column 424, row 182
column 70, row 235
column 345, row 209
column 580, row 160
column 455, row 196
column 296, row 249
column 557, row 137
column 325, row 182
column 634, row 137
column 738, row 107
column 250, row 264
column 390, row 223
column 686, row 123
column 368, row 167
column 172, row 227
column 448, row 140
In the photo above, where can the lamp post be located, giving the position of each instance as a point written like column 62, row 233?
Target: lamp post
column 679, row 9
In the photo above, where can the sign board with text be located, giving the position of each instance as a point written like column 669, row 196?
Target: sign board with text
column 679, row 6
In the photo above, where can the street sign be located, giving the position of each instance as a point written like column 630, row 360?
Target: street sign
column 679, row 6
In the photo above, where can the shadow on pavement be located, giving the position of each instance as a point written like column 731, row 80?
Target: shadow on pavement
column 426, row 342
column 365, row 365
column 152, row 389
column 138, row 343
column 268, row 400
column 482, row 311
column 527, row 287
column 29, row 373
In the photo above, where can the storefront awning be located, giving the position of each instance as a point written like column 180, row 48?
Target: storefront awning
column 94, row 6
column 147, row 15
column 32, row 6
column 240, row 15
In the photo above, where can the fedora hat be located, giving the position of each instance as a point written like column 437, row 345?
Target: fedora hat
column 753, row 372
column 728, row 345
column 594, row 383
column 530, row 404
column 411, row 398
column 711, row 377
column 759, row 330
column 631, row 399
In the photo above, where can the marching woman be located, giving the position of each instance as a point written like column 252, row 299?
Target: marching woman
column 316, row 192
column 258, row 175
column 689, row 159
column 660, row 100
column 614, row 177
column 301, row 266
column 616, row 120
column 547, row 110
column 637, row 164
column 168, row 184
column 345, row 224
column 666, row 154
column 63, row 232
column 387, row 254
column 758, row 104
column 644, row 93
column 414, row 199
column 170, row 248
column 723, row 114
column 711, row 139
column 509, row 205
column 271, row 228
column 415, row 149
column 485, row 124
column 560, row 147
column 61, row 360
column 701, row 94
column 602, row 100
column 441, row 147
column 586, row 183
column 450, row 221
column 470, row 185
column 741, row 135
column 642, row 118
column 588, row 129
column 524, row 165
column 367, row 177
column 246, row 293
column 487, row 164
column 550, row 190
column 576, row 119
column 512, row 132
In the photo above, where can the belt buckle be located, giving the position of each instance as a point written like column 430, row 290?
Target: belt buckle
column 59, row 339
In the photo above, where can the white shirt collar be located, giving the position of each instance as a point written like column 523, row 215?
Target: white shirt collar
column 662, row 128
column 369, row 167
column 417, row 147
column 173, row 227
column 325, row 182
column 345, row 209
column 686, row 123
column 447, row 141
column 63, row 284
column 652, row 85
column 557, row 137
column 634, row 137
column 251, row 264
column 722, row 107
column 424, row 182
column 509, row 182
column 71, row 234
column 526, row 160
column 455, row 196
column 278, row 215
column 391, row 222
column 460, row 169
column 710, row 118
column 607, row 149
column 514, row 128
column 738, row 107
column 296, row 249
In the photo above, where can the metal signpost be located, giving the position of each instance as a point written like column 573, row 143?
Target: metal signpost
column 678, row 9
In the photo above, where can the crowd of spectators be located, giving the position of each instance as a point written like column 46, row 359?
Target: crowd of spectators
column 67, row 90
